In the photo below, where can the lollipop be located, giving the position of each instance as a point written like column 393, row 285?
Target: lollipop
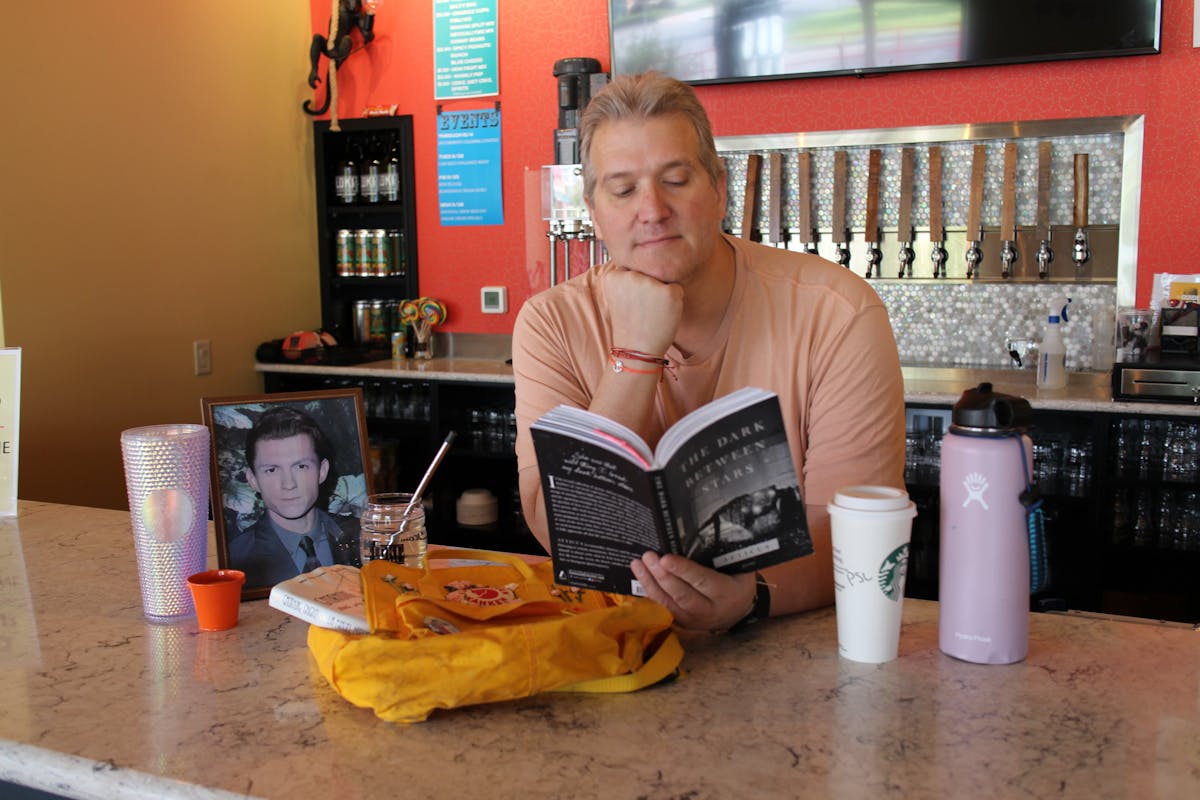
column 432, row 311
column 409, row 312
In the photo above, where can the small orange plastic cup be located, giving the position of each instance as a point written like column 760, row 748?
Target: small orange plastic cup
column 217, row 595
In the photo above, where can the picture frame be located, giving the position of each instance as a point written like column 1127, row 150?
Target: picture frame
column 312, row 479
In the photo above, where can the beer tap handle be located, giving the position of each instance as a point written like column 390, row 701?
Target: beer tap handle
column 1081, row 253
column 874, row 254
column 1044, row 253
column 751, row 195
column 937, row 232
column 904, row 230
column 775, row 198
column 841, row 233
column 1008, row 211
column 974, row 254
column 808, row 231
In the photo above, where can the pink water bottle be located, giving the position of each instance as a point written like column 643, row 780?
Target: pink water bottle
column 984, row 566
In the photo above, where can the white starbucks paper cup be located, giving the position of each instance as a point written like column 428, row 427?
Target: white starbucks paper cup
column 871, row 527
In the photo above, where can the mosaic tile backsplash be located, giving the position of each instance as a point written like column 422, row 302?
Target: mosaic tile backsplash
column 964, row 324
column 1105, row 153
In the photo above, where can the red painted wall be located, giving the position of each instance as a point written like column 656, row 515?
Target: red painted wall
column 456, row 261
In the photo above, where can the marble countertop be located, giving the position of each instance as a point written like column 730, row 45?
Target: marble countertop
column 1085, row 391
column 96, row 702
column 485, row 370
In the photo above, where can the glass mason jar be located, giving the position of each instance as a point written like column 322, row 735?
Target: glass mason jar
column 392, row 531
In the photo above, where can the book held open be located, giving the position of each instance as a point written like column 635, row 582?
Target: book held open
column 720, row 489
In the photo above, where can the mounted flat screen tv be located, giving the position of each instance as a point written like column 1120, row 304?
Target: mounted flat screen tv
column 725, row 41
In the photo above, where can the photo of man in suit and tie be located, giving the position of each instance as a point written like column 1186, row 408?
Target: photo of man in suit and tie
column 287, row 461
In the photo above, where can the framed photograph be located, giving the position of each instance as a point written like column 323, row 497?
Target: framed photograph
column 290, row 479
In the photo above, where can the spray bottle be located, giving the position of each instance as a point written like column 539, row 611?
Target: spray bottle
column 1052, row 355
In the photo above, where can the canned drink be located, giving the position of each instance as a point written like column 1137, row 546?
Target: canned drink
column 398, row 345
column 364, row 260
column 397, row 261
column 379, row 331
column 379, row 253
column 362, row 321
column 345, row 253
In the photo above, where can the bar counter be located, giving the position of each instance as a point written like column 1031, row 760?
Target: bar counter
column 937, row 386
column 96, row 702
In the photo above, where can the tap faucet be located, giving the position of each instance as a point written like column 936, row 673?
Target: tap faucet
column 906, row 259
column 874, row 260
column 1008, row 256
column 939, row 257
column 1080, row 252
column 1044, row 256
column 841, row 253
column 974, row 256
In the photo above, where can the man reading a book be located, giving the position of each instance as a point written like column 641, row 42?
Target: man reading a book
column 683, row 314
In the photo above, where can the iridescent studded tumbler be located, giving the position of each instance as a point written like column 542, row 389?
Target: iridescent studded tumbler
column 166, row 476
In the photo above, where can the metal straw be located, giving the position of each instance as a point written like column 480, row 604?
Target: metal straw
column 416, row 498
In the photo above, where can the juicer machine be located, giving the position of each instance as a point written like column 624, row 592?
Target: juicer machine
column 567, row 216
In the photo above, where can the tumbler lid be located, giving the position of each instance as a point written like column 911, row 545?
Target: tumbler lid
column 982, row 411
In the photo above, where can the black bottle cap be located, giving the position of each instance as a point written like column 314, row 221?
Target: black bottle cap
column 982, row 411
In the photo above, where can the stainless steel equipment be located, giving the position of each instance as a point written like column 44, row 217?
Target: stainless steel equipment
column 1159, row 379
column 568, row 217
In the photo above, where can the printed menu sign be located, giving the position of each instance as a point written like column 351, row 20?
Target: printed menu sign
column 464, row 49
column 469, row 178
column 10, row 425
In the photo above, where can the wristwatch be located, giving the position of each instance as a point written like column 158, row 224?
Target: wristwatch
column 762, row 604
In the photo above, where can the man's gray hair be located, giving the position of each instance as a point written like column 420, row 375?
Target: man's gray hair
column 643, row 96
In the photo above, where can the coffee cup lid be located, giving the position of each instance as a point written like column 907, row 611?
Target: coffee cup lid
column 871, row 498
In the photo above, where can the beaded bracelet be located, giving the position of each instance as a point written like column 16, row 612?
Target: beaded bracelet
column 619, row 365
column 618, row 355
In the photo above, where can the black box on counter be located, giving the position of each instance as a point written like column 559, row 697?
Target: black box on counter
column 1180, row 329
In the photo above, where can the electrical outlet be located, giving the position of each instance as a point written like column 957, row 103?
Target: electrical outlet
column 202, row 356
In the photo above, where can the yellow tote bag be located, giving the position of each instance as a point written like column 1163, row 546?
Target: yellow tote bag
column 483, row 633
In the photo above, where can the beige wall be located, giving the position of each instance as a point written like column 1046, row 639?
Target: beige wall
column 155, row 188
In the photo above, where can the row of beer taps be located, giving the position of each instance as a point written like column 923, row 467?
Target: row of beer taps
column 808, row 235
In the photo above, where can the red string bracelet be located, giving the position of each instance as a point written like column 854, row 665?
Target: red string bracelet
column 618, row 355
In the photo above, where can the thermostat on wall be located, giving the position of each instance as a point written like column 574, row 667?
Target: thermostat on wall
column 493, row 299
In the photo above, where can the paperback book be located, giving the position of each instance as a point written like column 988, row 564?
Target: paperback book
column 720, row 489
column 328, row 597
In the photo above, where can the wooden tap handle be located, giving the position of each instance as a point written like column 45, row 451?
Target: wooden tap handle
column 975, row 209
column 840, row 167
column 1043, row 192
column 874, row 162
column 937, row 231
column 907, row 160
column 1008, row 200
column 775, row 200
column 1081, row 190
column 750, row 197
column 804, row 163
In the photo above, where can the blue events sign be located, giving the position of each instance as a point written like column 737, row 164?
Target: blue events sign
column 464, row 49
column 469, row 186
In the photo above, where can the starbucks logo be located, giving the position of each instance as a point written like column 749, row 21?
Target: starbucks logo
column 892, row 571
